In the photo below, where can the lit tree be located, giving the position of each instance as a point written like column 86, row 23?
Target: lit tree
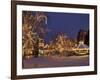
column 27, row 39
column 33, row 29
column 39, row 27
column 39, row 24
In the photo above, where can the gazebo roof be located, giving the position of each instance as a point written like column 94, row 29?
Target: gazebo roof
column 82, row 45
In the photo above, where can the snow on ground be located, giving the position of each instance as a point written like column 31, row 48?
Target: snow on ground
column 56, row 61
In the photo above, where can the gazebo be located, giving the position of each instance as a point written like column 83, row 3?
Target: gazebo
column 81, row 48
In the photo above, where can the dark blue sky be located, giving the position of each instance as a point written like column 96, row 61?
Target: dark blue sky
column 68, row 23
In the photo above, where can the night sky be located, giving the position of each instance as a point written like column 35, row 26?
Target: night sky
column 67, row 23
